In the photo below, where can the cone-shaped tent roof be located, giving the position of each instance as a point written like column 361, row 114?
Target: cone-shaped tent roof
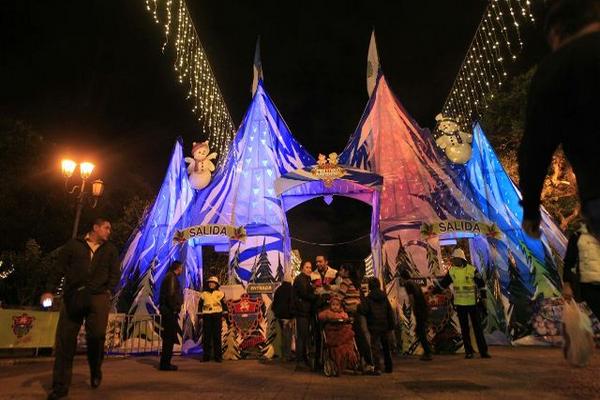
column 242, row 191
column 416, row 185
column 160, row 220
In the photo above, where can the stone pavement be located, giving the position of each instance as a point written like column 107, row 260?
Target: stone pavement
column 513, row 373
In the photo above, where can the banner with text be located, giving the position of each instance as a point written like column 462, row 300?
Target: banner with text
column 453, row 226
column 234, row 233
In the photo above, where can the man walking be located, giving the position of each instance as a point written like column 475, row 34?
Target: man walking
column 467, row 282
column 90, row 267
column 562, row 109
column 171, row 300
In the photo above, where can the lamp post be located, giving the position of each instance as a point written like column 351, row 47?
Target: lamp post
column 85, row 169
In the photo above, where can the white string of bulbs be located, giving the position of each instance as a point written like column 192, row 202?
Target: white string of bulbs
column 194, row 71
column 483, row 71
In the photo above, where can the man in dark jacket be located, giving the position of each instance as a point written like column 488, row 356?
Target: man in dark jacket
column 420, row 311
column 90, row 267
column 283, row 308
column 562, row 109
column 380, row 321
column 305, row 298
column 171, row 300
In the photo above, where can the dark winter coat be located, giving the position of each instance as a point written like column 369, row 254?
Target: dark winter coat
column 304, row 296
column 378, row 311
column 98, row 274
column 171, row 295
column 283, row 301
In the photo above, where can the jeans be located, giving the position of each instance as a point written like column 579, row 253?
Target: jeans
column 302, row 332
column 286, row 326
column 169, row 336
column 380, row 343
column 421, row 331
column 362, row 337
column 211, row 336
column 464, row 313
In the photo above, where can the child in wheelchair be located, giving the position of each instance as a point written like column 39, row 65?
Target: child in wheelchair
column 339, row 349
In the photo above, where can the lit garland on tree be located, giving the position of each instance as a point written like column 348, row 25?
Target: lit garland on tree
column 497, row 38
column 193, row 70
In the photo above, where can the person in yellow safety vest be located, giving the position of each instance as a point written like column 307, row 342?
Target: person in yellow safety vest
column 469, row 297
column 212, row 306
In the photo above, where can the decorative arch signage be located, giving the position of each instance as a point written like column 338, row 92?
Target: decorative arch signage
column 453, row 226
column 232, row 232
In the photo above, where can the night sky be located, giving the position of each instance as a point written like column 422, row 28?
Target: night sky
column 90, row 76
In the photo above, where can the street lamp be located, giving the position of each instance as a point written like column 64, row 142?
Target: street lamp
column 85, row 168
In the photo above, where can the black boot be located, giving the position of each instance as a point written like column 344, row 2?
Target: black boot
column 57, row 394
column 96, row 379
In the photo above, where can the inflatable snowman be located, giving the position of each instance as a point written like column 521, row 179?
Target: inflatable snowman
column 200, row 167
column 455, row 142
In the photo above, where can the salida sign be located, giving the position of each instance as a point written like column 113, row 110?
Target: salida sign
column 235, row 233
column 452, row 226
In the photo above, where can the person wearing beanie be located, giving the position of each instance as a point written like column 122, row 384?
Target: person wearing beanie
column 212, row 306
column 469, row 297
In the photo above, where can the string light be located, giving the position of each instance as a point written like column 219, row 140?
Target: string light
column 193, row 71
column 496, row 40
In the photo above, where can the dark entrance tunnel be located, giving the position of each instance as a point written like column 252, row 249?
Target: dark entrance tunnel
column 344, row 220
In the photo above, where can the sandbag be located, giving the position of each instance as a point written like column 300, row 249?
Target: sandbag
column 579, row 338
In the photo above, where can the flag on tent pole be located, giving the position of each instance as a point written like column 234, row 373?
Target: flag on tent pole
column 372, row 65
column 258, row 71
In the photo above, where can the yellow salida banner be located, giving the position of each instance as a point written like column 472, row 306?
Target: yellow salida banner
column 452, row 226
column 235, row 233
column 27, row 329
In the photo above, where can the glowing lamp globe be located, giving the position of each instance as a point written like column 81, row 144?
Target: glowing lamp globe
column 86, row 169
column 97, row 188
column 68, row 167
column 47, row 303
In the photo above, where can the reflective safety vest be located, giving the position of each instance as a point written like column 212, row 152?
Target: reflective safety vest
column 211, row 302
column 465, row 289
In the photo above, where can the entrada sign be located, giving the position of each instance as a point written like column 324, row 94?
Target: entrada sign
column 235, row 233
column 452, row 226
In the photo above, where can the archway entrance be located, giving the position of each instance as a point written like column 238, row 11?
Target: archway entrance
column 339, row 230
column 326, row 182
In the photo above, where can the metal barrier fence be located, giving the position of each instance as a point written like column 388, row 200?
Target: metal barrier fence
column 133, row 334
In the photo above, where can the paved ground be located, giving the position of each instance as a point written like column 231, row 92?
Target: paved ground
column 513, row 373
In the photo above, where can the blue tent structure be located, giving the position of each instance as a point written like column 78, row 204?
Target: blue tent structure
column 422, row 188
column 390, row 163
column 241, row 193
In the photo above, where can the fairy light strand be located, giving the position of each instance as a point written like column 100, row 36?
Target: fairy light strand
column 483, row 70
column 194, row 71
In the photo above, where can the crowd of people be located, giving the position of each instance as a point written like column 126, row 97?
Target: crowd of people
column 356, row 319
